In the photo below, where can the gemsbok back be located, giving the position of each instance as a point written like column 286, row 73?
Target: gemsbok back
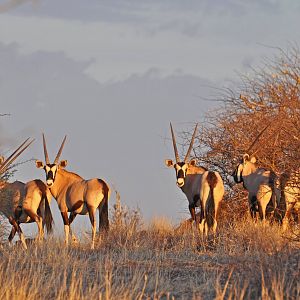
column 203, row 188
column 26, row 203
column 75, row 194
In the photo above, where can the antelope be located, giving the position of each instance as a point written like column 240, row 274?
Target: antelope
column 18, row 199
column 26, row 203
column 75, row 194
column 259, row 182
column 203, row 188
column 290, row 192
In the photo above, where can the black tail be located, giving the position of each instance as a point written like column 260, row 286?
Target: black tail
column 212, row 181
column 48, row 219
column 103, row 208
column 281, row 209
column 272, row 185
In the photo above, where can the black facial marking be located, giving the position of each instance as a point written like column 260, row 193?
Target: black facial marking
column 180, row 174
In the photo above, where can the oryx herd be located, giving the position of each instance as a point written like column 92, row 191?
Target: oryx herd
column 30, row 202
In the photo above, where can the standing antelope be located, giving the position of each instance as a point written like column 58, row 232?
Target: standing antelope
column 203, row 188
column 75, row 194
column 26, row 203
column 260, row 184
column 15, row 195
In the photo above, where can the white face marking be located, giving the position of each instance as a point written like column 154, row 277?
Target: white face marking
column 180, row 182
column 50, row 177
column 182, row 174
column 239, row 172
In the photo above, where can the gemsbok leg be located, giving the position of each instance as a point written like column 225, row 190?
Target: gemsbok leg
column 92, row 212
column 72, row 216
column 66, row 226
column 17, row 227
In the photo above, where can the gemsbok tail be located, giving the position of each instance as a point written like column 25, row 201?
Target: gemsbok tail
column 48, row 219
column 103, row 208
column 281, row 209
column 212, row 181
column 272, row 185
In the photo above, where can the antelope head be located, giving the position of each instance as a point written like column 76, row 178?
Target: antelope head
column 245, row 167
column 181, row 167
column 247, row 163
column 51, row 168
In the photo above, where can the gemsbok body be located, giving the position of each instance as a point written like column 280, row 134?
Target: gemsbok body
column 260, row 184
column 203, row 188
column 26, row 203
column 290, row 192
column 75, row 194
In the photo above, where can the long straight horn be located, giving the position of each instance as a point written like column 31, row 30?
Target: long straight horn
column 191, row 144
column 45, row 151
column 258, row 136
column 60, row 150
column 174, row 144
column 14, row 155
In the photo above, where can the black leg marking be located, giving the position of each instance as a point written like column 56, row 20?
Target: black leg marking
column 12, row 234
column 72, row 217
column 65, row 218
column 192, row 211
column 77, row 205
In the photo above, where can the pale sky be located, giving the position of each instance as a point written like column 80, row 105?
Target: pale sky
column 113, row 74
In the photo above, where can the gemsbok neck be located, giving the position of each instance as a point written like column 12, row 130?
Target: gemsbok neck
column 69, row 175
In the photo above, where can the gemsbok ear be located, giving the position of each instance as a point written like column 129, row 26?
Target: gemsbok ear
column 246, row 157
column 1, row 160
column 169, row 163
column 63, row 163
column 253, row 159
column 39, row 164
column 193, row 162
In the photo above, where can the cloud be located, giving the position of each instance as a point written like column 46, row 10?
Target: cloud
column 117, row 131
column 153, row 17
column 9, row 5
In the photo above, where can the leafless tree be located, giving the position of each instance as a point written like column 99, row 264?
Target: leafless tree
column 269, row 96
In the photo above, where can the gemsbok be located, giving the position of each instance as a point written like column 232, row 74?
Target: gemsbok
column 75, row 194
column 26, row 203
column 260, row 184
column 17, row 195
column 203, row 188
column 290, row 192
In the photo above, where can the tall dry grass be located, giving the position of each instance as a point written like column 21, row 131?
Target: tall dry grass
column 154, row 261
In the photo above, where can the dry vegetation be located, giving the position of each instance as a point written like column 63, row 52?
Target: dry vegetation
column 159, row 261
column 135, row 261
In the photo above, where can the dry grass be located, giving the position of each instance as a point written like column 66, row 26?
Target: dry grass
column 138, row 261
